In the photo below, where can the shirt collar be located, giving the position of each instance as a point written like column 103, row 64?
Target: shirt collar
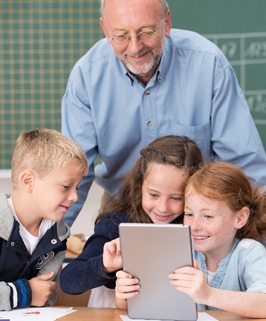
column 165, row 60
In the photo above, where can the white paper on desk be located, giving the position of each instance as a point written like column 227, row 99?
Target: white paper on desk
column 35, row 314
column 202, row 316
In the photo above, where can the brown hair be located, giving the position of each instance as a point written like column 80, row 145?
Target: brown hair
column 177, row 151
column 43, row 150
column 226, row 182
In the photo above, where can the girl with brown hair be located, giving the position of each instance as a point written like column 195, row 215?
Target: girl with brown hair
column 151, row 193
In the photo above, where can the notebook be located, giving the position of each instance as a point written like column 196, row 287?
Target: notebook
column 150, row 252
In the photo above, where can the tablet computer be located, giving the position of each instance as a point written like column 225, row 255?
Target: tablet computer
column 150, row 252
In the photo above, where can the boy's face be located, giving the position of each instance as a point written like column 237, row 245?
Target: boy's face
column 53, row 195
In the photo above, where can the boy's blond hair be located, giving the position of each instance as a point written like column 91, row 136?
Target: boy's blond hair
column 42, row 151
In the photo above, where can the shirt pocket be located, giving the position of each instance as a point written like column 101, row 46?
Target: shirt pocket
column 200, row 134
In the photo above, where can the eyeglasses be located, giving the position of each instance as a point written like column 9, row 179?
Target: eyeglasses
column 143, row 36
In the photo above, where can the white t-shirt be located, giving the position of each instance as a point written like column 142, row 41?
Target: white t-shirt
column 210, row 276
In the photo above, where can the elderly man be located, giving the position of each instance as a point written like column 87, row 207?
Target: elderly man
column 146, row 80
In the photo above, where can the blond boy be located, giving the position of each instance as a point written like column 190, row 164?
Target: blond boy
column 47, row 168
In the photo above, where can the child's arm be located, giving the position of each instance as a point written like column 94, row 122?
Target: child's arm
column 24, row 293
column 14, row 294
column 193, row 282
column 86, row 271
column 126, row 287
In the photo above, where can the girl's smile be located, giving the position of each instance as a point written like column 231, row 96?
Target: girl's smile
column 161, row 217
column 198, row 238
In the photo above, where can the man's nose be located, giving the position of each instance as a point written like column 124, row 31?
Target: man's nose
column 135, row 45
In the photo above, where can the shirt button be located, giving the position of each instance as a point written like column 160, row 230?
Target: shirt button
column 149, row 123
column 54, row 241
column 160, row 78
column 12, row 243
column 147, row 92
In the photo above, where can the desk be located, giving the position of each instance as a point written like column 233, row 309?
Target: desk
column 108, row 314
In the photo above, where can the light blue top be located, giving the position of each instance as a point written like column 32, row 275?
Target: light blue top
column 194, row 93
column 243, row 269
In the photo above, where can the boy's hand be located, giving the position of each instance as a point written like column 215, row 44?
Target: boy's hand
column 192, row 282
column 112, row 260
column 42, row 289
column 126, row 286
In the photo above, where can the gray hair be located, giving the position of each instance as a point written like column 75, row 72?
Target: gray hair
column 164, row 5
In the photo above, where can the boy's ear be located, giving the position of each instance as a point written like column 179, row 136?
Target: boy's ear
column 242, row 217
column 27, row 181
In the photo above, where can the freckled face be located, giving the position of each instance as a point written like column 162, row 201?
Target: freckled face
column 212, row 223
column 162, row 192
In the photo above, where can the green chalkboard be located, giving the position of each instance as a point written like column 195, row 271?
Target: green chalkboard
column 238, row 28
column 40, row 40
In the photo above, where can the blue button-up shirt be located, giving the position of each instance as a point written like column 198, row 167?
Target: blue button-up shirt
column 194, row 92
column 243, row 269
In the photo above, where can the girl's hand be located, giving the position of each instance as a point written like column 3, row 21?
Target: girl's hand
column 192, row 282
column 112, row 260
column 126, row 286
